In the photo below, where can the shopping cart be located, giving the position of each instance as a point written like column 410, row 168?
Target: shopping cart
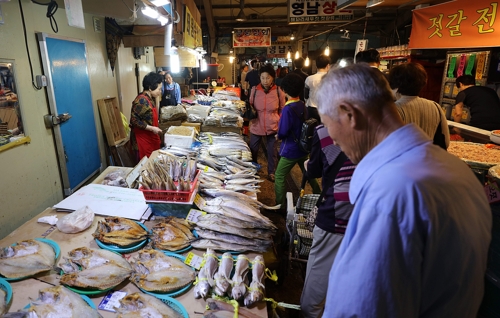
column 299, row 237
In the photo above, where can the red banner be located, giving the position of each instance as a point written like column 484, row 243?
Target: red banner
column 252, row 37
column 456, row 24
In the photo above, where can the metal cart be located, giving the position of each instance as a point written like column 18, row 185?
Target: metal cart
column 299, row 237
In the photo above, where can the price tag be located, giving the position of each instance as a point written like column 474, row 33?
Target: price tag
column 111, row 300
column 193, row 215
column 492, row 193
column 199, row 201
column 193, row 260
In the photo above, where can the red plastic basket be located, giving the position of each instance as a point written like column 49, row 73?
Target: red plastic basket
column 170, row 196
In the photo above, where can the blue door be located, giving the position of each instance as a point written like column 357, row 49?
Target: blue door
column 68, row 89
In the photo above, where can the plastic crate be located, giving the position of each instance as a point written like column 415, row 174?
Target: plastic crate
column 305, row 238
column 169, row 195
column 306, row 203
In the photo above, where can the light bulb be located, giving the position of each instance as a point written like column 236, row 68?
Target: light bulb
column 306, row 63
column 203, row 66
column 231, row 59
column 327, row 51
column 297, row 54
column 289, row 55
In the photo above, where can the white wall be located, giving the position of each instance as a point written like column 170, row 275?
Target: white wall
column 30, row 180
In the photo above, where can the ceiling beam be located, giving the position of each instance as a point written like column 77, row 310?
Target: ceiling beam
column 210, row 22
column 250, row 5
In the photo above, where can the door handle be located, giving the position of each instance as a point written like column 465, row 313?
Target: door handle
column 51, row 120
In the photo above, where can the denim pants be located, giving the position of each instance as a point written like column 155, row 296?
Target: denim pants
column 272, row 151
column 285, row 165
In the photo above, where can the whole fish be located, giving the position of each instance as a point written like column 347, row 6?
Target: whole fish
column 251, row 233
column 222, row 277
column 256, row 290
column 217, row 175
column 242, row 163
column 224, row 246
column 172, row 234
column 240, row 207
column 230, row 221
column 242, row 175
column 202, row 286
column 211, row 265
column 91, row 268
column 230, row 238
column 156, row 272
column 119, row 231
column 26, row 258
column 60, row 302
column 244, row 181
column 141, row 305
column 216, row 305
column 240, row 273
column 240, row 196
column 240, row 188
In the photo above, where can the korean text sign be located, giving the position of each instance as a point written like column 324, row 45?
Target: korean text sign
column 456, row 24
column 306, row 11
column 252, row 37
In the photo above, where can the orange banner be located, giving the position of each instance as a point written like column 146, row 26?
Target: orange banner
column 456, row 24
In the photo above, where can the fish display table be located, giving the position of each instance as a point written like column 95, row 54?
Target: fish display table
column 25, row 289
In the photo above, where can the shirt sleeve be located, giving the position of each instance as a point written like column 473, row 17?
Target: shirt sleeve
column 141, row 114
column 285, row 123
column 178, row 93
column 460, row 97
column 315, row 164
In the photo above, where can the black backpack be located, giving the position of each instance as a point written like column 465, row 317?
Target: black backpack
column 306, row 133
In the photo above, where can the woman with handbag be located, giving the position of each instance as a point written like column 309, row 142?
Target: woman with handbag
column 332, row 211
column 267, row 100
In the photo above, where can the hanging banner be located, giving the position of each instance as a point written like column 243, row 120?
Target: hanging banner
column 306, row 11
column 192, row 31
column 456, row 24
column 252, row 37
column 361, row 45
column 279, row 51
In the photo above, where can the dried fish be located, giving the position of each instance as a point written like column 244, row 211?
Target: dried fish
column 231, row 238
column 222, row 277
column 240, row 273
column 224, row 246
column 60, row 302
column 119, row 231
column 172, row 234
column 26, row 258
column 156, row 272
column 90, row 268
column 218, row 306
column 256, row 290
column 142, row 305
column 202, row 286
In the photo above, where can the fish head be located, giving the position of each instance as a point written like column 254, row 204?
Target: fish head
column 7, row 252
column 68, row 266
column 80, row 253
column 204, row 289
column 131, row 302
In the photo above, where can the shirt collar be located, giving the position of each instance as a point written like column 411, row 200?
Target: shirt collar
column 397, row 143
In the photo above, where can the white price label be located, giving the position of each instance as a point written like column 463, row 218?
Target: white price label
column 193, row 215
column 199, row 201
column 193, row 260
column 111, row 300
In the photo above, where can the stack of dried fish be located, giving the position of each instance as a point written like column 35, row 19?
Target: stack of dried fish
column 156, row 272
column 61, row 302
column 172, row 234
column 120, row 231
column 141, row 305
column 164, row 171
column 26, row 258
column 233, row 225
column 96, row 269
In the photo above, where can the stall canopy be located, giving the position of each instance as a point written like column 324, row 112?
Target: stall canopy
column 456, row 24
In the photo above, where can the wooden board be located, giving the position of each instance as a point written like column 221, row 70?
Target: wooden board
column 111, row 120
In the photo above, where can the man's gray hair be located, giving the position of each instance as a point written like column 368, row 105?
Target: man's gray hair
column 357, row 84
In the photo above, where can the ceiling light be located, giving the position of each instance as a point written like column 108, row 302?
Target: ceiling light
column 327, row 51
column 292, row 37
column 297, row 55
column 159, row 3
column 289, row 55
column 372, row 3
column 241, row 16
column 150, row 12
column 307, row 61
column 231, row 59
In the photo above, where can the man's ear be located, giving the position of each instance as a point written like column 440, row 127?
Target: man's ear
column 351, row 113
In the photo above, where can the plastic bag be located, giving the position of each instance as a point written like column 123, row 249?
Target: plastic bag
column 76, row 221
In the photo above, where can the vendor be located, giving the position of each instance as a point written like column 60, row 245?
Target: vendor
column 482, row 101
column 171, row 92
column 144, row 117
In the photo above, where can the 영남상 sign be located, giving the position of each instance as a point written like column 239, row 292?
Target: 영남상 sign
column 456, row 24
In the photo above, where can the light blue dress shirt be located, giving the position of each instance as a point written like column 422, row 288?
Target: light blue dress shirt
column 417, row 241
column 177, row 90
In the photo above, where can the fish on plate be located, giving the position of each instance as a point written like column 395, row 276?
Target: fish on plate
column 141, row 305
column 172, row 234
column 95, row 269
column 119, row 231
column 26, row 258
column 60, row 302
column 156, row 272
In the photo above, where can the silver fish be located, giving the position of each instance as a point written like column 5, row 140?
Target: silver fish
column 26, row 258
column 202, row 286
column 224, row 246
column 251, row 233
column 142, row 305
column 244, row 181
column 100, row 269
column 222, row 277
column 156, row 272
column 230, row 238
column 211, row 265
column 240, row 196
column 225, row 220
column 60, row 302
column 257, row 286
column 240, row 273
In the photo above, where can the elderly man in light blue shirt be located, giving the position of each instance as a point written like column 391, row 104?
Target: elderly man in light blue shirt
column 417, row 241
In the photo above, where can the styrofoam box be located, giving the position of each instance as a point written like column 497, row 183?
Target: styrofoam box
column 199, row 110
column 179, row 140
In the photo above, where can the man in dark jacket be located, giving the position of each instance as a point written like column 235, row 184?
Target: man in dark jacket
column 299, row 64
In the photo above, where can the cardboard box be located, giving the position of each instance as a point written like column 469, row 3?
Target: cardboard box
column 131, row 174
